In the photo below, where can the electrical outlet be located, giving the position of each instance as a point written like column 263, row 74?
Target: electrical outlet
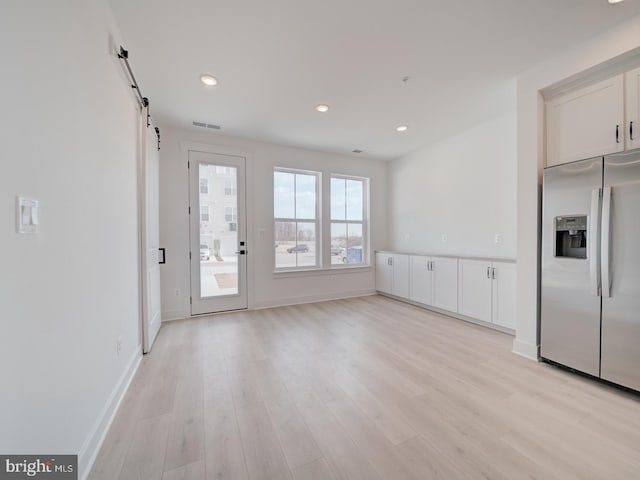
column 444, row 238
column 498, row 238
column 118, row 346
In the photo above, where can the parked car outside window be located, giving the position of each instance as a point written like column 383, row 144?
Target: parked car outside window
column 205, row 253
column 301, row 248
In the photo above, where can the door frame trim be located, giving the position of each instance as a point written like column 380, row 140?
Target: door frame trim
column 185, row 147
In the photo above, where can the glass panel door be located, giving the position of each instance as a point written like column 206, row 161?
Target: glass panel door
column 218, row 233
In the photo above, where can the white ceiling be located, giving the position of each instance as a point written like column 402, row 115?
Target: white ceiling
column 277, row 59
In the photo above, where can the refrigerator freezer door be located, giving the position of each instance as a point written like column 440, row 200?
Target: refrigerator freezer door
column 620, row 361
column 570, row 305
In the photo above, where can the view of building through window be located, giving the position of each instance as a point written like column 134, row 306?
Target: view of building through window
column 348, row 232
column 296, row 218
column 218, row 230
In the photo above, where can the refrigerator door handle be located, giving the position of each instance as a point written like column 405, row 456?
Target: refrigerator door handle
column 605, row 242
column 594, row 235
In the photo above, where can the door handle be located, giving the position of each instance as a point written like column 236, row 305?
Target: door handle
column 594, row 235
column 241, row 252
column 617, row 133
column 164, row 256
column 605, row 242
column 631, row 130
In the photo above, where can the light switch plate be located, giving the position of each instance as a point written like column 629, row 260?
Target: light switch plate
column 27, row 215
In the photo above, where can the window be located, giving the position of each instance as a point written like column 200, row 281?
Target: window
column 230, row 214
column 204, row 213
column 296, row 218
column 230, row 187
column 220, row 170
column 348, row 220
column 204, row 185
column 233, row 227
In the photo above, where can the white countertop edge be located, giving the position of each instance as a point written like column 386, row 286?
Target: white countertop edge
column 444, row 255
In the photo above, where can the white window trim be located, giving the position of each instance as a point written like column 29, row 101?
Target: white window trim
column 317, row 221
column 366, row 258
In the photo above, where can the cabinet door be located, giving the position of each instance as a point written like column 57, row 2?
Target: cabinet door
column 421, row 284
column 400, row 275
column 445, row 283
column 474, row 280
column 582, row 123
column 632, row 103
column 384, row 273
column 504, row 294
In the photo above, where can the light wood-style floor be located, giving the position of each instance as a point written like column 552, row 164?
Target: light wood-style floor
column 367, row 389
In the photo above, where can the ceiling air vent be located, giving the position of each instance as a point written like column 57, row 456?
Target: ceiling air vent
column 357, row 151
column 206, row 125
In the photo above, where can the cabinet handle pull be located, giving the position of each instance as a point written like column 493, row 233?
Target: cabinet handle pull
column 489, row 273
column 493, row 273
column 631, row 130
column 617, row 133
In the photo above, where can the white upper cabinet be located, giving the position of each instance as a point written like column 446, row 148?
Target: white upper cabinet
column 445, row 283
column 587, row 122
column 632, row 104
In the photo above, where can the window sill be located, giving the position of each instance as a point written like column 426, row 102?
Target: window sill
column 313, row 272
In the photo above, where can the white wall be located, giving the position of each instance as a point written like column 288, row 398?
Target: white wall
column 464, row 187
column 589, row 55
column 68, row 137
column 265, row 287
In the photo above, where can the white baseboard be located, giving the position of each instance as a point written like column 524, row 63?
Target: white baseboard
column 92, row 444
column 169, row 315
column 525, row 349
column 283, row 302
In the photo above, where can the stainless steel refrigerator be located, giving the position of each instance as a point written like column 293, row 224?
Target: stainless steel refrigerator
column 590, row 296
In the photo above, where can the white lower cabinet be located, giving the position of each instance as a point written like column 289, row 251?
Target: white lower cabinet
column 504, row 294
column 479, row 289
column 421, row 284
column 434, row 281
column 384, row 272
column 487, row 291
column 445, row 283
column 392, row 274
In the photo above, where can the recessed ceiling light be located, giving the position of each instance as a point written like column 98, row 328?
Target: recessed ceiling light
column 402, row 128
column 209, row 80
column 322, row 108
column 615, row 1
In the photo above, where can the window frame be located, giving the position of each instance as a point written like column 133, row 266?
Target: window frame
column 317, row 221
column 364, row 222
